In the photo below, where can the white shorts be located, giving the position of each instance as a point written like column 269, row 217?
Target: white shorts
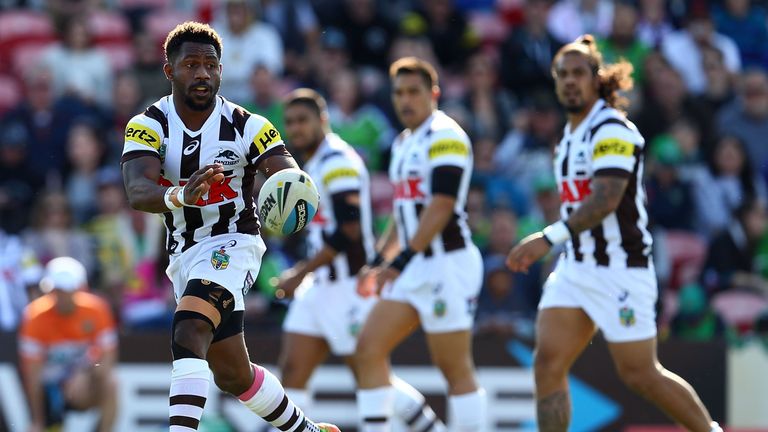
column 443, row 289
column 229, row 260
column 329, row 310
column 621, row 302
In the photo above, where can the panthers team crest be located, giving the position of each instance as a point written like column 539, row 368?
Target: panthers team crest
column 220, row 259
column 627, row 316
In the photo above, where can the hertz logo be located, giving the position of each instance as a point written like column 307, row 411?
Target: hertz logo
column 448, row 147
column 267, row 136
column 141, row 134
column 613, row 147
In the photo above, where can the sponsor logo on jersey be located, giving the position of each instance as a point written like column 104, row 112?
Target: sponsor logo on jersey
column 191, row 147
column 339, row 173
column 248, row 282
column 613, row 147
column 409, row 189
column 576, row 193
column 220, row 259
column 266, row 137
column 226, row 157
column 143, row 135
column 218, row 193
column 448, row 147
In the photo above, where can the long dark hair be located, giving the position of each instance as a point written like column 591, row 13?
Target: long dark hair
column 746, row 176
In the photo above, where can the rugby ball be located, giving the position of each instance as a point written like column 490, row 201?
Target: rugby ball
column 287, row 201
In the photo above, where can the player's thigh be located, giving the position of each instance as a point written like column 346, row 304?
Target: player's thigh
column 299, row 356
column 386, row 326
column 561, row 336
column 634, row 358
column 79, row 391
column 452, row 353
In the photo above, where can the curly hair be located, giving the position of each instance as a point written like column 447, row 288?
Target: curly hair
column 614, row 77
column 190, row 31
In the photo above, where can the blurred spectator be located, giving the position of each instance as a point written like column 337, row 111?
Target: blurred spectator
column 728, row 182
column 670, row 199
column 19, row 274
column 78, row 68
column 490, row 106
column 128, row 101
column 332, row 58
column 68, row 350
column 148, row 69
column 654, row 25
column 507, row 303
column 745, row 23
column 368, row 30
column 720, row 89
column 526, row 55
column 362, row 125
column 747, row 117
column 47, row 120
column 526, row 151
column 695, row 320
column 683, row 49
column 477, row 216
column 730, row 261
column 666, row 100
column 501, row 191
column 18, row 185
column 52, row 234
column 451, row 35
column 85, row 151
column 296, row 22
column 503, row 231
column 546, row 206
column 761, row 329
column 623, row 43
column 248, row 43
column 265, row 99
column 570, row 19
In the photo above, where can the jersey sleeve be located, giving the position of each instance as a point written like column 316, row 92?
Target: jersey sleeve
column 449, row 148
column 32, row 341
column 615, row 149
column 339, row 174
column 261, row 136
column 143, row 135
column 106, row 333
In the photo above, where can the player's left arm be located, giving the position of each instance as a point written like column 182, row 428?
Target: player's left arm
column 607, row 191
column 266, row 148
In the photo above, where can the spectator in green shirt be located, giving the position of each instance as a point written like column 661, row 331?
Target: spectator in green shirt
column 623, row 42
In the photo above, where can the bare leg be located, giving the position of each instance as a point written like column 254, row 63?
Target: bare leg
column 94, row 389
column 299, row 357
column 561, row 336
column 639, row 368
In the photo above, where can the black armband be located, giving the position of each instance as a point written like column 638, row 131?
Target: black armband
column 377, row 260
column 402, row 260
column 446, row 180
column 343, row 210
column 338, row 240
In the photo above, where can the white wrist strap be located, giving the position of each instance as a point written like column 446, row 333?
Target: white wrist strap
column 557, row 233
column 170, row 192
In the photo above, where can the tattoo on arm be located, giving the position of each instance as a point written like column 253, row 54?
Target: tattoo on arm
column 605, row 197
column 554, row 412
column 140, row 176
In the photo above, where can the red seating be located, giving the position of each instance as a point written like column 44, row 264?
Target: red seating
column 109, row 27
column 158, row 24
column 19, row 28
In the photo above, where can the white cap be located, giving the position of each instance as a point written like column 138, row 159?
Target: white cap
column 64, row 273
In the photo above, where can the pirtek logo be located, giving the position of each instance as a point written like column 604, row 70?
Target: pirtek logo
column 580, row 190
column 408, row 189
column 141, row 134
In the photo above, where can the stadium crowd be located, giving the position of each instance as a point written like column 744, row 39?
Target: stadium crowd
column 74, row 71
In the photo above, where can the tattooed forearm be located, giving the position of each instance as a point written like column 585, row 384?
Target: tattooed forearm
column 604, row 198
column 554, row 412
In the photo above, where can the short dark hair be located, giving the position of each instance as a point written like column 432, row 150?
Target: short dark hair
column 415, row 65
column 309, row 98
column 190, row 31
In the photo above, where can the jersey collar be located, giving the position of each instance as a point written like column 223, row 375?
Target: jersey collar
column 321, row 149
column 599, row 104
column 425, row 126
column 212, row 119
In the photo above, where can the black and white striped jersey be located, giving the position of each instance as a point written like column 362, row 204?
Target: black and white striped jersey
column 338, row 169
column 232, row 137
column 438, row 142
column 605, row 143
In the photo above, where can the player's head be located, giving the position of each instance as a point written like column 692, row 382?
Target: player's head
column 581, row 77
column 306, row 119
column 415, row 90
column 192, row 52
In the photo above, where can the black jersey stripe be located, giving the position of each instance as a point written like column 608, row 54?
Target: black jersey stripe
column 612, row 120
column 170, row 244
column 601, row 246
column 247, row 222
column 226, row 130
column 628, row 216
column 576, row 242
column 564, row 166
column 239, row 117
column 226, row 213
column 190, row 162
column 452, row 236
column 419, row 208
column 156, row 114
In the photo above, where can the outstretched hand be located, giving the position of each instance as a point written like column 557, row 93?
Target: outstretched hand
column 200, row 182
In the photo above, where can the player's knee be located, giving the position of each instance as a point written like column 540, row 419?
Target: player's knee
column 292, row 371
column 191, row 338
column 368, row 350
column 231, row 379
column 638, row 379
column 548, row 365
column 457, row 370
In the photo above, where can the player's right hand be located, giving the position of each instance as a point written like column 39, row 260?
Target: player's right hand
column 290, row 280
column 366, row 281
column 527, row 252
column 200, row 182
